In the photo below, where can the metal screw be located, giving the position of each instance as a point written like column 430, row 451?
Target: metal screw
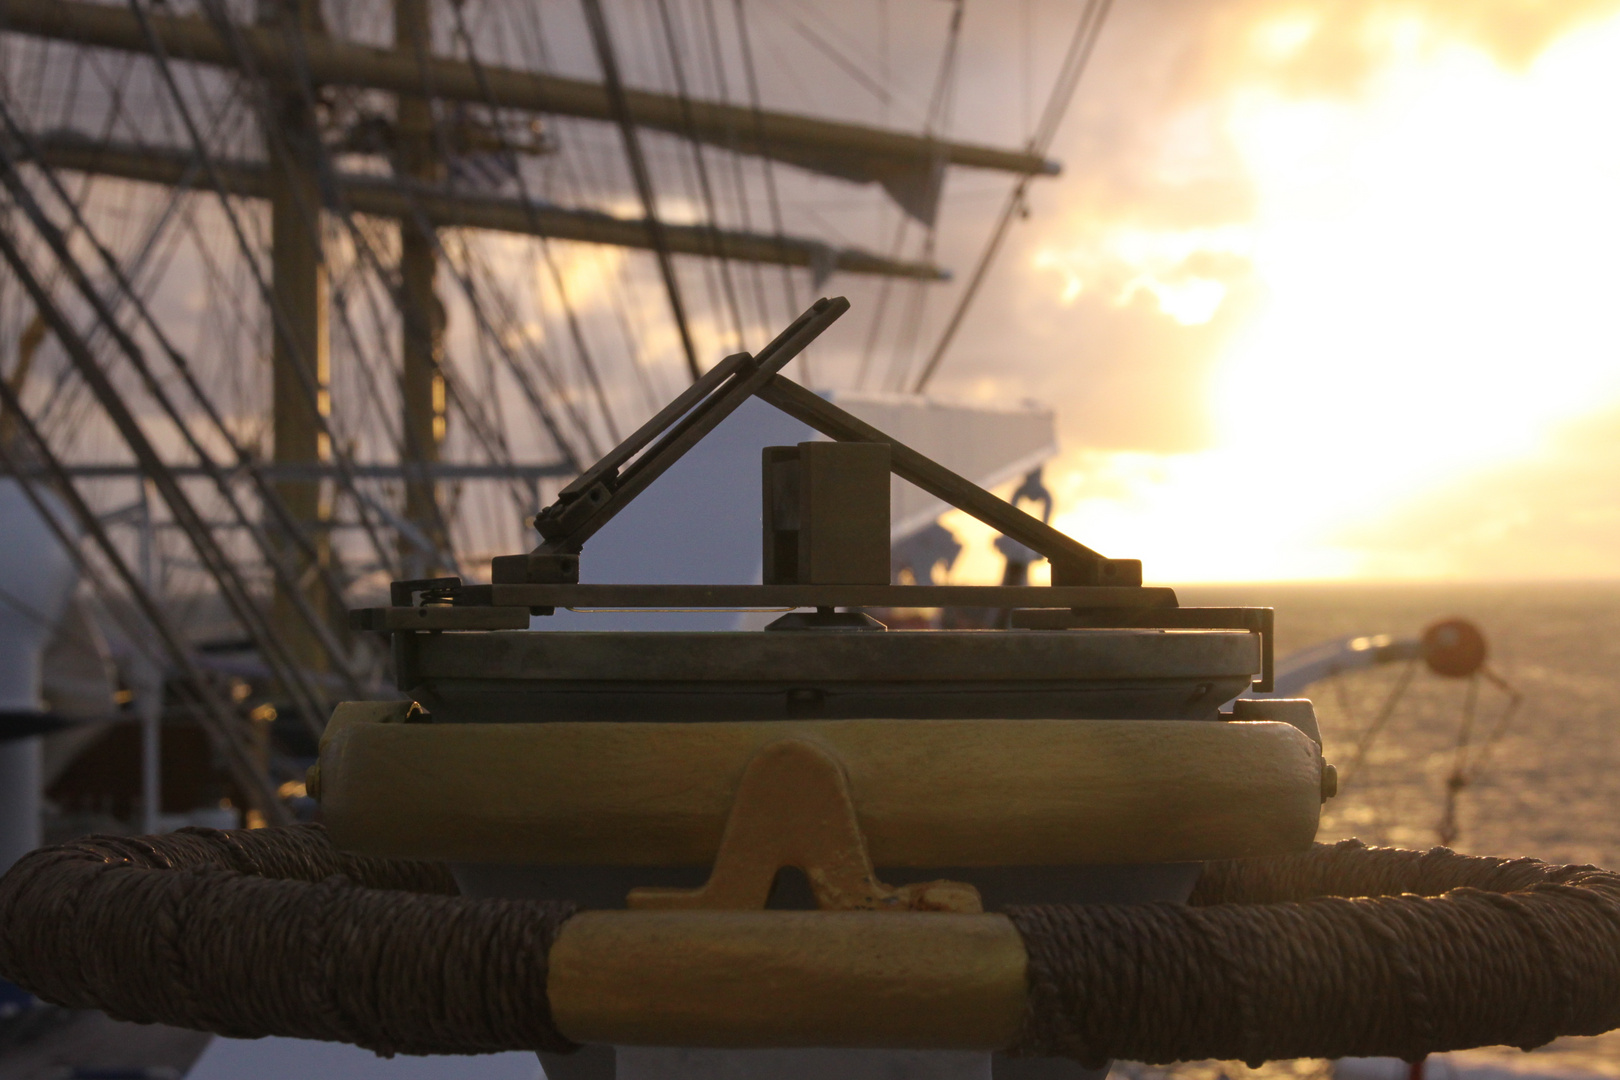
column 1330, row 782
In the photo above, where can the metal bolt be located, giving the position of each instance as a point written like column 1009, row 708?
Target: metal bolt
column 1330, row 782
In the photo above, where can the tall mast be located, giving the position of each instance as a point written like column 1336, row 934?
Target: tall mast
column 299, row 358
column 289, row 56
column 422, row 313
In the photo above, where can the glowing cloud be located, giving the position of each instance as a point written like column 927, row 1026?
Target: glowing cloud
column 1184, row 271
column 1434, row 255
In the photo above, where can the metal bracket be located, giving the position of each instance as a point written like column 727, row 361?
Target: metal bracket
column 1072, row 562
column 604, row 489
column 1257, row 620
column 793, row 808
column 391, row 620
column 404, row 593
column 607, row 487
column 441, row 603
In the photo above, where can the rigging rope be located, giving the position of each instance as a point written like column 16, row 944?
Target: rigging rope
column 734, row 158
column 1468, row 756
column 489, row 435
column 700, row 164
column 734, row 171
column 790, row 293
column 607, row 60
column 218, row 720
column 938, row 102
column 576, row 332
column 939, row 113
column 1090, row 26
column 66, row 397
column 106, row 323
column 281, row 325
column 233, row 587
column 564, row 163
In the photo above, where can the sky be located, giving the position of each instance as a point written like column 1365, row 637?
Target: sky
column 1327, row 291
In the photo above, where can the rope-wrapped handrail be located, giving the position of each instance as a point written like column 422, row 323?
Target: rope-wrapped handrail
column 1340, row 950
column 274, row 932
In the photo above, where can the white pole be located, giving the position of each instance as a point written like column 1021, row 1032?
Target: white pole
column 21, row 781
column 151, row 759
column 150, row 700
column 37, row 579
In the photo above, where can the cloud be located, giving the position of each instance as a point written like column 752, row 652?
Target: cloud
column 1333, row 46
column 1194, row 122
column 1551, row 515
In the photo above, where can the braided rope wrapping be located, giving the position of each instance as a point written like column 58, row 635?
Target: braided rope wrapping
column 273, row 932
column 1342, row 950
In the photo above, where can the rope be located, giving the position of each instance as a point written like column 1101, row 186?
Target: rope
column 215, row 715
column 1273, row 959
column 1092, row 17
column 607, row 60
column 1337, row 951
column 273, row 932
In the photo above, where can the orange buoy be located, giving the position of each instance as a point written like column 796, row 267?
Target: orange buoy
column 1454, row 648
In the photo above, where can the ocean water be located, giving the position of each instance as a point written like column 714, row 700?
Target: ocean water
column 1547, row 785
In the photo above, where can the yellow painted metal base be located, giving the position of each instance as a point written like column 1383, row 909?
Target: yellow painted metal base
column 788, row 978
column 793, row 809
column 927, row 792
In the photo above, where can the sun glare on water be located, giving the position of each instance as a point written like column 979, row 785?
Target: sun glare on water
column 1439, row 292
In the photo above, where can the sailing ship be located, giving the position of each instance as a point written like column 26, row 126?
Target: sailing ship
column 299, row 300
column 386, row 352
